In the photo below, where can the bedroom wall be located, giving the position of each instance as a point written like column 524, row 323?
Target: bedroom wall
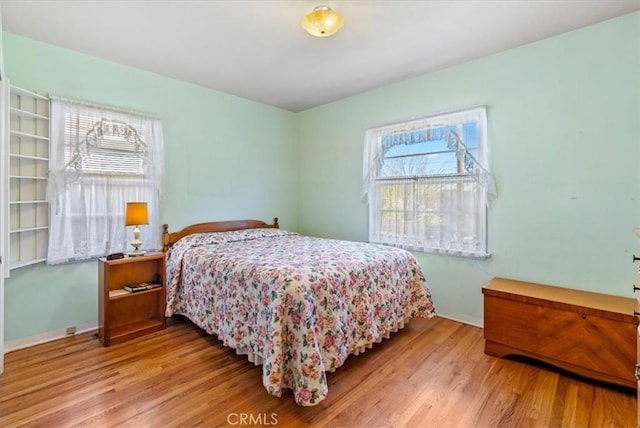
column 564, row 128
column 225, row 158
column 564, row 121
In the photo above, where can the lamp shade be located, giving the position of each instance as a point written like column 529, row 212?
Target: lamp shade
column 136, row 214
column 322, row 22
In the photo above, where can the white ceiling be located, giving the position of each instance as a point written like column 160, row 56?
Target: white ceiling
column 256, row 49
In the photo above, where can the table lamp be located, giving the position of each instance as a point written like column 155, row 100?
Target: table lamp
column 136, row 215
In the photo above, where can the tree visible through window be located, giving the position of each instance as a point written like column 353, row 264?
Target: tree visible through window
column 427, row 183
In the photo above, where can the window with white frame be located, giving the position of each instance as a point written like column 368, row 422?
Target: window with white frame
column 101, row 158
column 428, row 183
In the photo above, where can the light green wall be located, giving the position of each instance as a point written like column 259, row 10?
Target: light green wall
column 564, row 128
column 564, row 119
column 226, row 158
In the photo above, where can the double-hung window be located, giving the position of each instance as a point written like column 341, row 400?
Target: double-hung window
column 427, row 182
column 101, row 158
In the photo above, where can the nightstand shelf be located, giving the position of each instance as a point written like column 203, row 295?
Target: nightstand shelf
column 129, row 315
column 128, row 295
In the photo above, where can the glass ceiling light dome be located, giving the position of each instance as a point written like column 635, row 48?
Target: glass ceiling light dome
column 322, row 22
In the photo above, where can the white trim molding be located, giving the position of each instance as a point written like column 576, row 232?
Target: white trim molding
column 48, row 336
column 463, row 318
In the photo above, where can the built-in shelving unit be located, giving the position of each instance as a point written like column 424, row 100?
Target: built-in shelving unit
column 28, row 161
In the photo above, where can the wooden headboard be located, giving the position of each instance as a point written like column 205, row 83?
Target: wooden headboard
column 168, row 239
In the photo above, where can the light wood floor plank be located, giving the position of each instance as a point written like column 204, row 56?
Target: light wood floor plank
column 431, row 374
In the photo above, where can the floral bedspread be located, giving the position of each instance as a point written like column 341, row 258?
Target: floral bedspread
column 300, row 304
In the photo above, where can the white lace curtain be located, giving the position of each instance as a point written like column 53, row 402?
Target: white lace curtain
column 416, row 208
column 101, row 158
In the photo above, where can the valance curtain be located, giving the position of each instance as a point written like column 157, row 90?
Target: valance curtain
column 377, row 143
column 434, row 198
column 101, row 158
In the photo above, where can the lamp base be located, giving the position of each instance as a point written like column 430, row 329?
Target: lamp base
column 136, row 243
column 136, row 253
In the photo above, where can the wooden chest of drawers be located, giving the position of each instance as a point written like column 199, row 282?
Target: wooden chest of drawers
column 590, row 334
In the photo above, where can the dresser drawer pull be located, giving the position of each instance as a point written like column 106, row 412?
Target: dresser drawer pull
column 635, row 259
column 638, row 372
column 635, row 288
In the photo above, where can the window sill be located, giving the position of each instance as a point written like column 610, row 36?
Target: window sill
column 462, row 254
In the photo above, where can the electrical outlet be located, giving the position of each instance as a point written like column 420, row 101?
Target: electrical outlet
column 71, row 330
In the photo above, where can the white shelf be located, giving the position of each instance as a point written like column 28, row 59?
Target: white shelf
column 28, row 135
column 23, row 263
column 27, row 93
column 27, row 177
column 38, row 158
column 27, row 202
column 27, row 114
column 29, row 229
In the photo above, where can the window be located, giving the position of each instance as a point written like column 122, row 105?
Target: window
column 101, row 158
column 427, row 183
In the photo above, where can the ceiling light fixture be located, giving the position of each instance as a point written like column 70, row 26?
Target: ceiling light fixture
column 322, row 22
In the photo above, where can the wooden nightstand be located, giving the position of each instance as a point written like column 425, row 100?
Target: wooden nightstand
column 123, row 316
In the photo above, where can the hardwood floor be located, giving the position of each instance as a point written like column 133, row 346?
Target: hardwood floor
column 431, row 374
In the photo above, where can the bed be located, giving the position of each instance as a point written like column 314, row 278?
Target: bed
column 295, row 304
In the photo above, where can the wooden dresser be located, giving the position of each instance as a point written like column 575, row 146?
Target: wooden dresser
column 590, row 334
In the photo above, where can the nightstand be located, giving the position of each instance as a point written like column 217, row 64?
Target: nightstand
column 125, row 315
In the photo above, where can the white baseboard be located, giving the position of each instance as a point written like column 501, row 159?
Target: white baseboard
column 48, row 336
column 474, row 322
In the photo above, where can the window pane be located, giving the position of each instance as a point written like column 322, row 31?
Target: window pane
column 429, row 152
column 430, row 193
column 431, row 164
column 470, row 135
